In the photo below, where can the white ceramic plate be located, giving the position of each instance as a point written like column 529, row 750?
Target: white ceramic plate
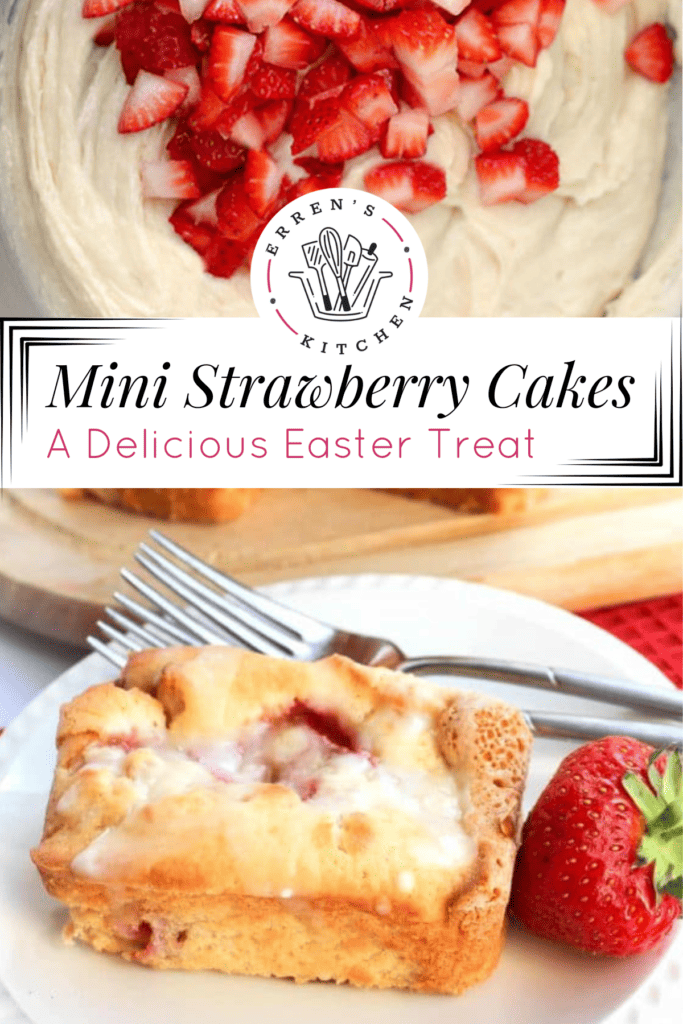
column 536, row 983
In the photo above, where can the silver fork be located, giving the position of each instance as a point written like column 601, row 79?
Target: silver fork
column 217, row 609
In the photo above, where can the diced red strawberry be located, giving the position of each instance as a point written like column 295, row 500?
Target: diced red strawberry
column 197, row 222
column 369, row 99
column 367, row 50
column 216, row 153
column 229, row 55
column 519, row 42
column 100, row 8
column 289, row 46
column 477, row 38
column 383, row 6
column 471, row 68
column 236, row 220
column 331, row 174
column 152, row 38
column 406, row 135
column 517, row 12
column 223, row 257
column 476, row 93
column 261, row 14
column 410, row 187
column 541, row 169
column 651, row 53
column 423, row 42
column 169, row 179
column 500, row 68
column 188, row 76
column 502, row 177
column 452, row 6
column 309, row 122
column 549, row 21
column 499, row 122
column 208, row 110
column 106, row 33
column 326, row 18
column 200, row 34
column 271, row 83
column 273, row 117
column 262, row 180
column 439, row 92
column 344, row 139
column 227, row 11
column 192, row 10
column 151, row 100
column 248, row 131
column 332, row 73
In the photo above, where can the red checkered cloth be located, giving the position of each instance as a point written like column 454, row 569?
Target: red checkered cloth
column 654, row 628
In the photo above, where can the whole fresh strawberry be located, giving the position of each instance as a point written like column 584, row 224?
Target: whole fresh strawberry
column 601, row 858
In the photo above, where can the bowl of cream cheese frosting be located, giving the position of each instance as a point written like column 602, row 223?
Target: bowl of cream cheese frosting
column 81, row 241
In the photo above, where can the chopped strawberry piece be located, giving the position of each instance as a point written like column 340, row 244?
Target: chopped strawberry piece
column 344, row 139
column 223, row 257
column 332, row 73
column 519, row 42
column 262, row 180
column 452, row 6
column 273, row 117
column 208, row 110
column 502, row 177
column 331, row 174
column 153, row 39
column 439, row 92
column 423, row 42
column 499, row 122
column 216, row 153
column 261, row 14
column 106, row 34
column 327, row 18
column 227, row 11
column 100, row 8
column 383, row 6
column 610, row 6
column 406, row 135
column 476, row 93
column 517, row 12
column 192, row 10
column 169, row 179
column 477, row 38
column 310, row 121
column 411, row 187
column 271, row 83
column 236, row 219
column 500, row 68
column 200, row 34
column 151, row 100
column 289, row 46
column 541, row 169
column 368, row 98
column 367, row 50
column 248, row 131
column 549, row 21
column 188, row 76
column 471, row 69
column 194, row 224
column 651, row 53
column 228, row 58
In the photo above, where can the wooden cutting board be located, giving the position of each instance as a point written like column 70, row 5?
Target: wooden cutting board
column 580, row 548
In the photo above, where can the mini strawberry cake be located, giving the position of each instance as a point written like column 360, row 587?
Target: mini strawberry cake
column 150, row 141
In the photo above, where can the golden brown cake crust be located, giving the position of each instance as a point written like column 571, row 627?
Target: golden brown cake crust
column 273, row 883
column 177, row 504
column 498, row 500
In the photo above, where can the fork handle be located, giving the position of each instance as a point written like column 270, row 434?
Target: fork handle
column 602, row 688
column 559, row 726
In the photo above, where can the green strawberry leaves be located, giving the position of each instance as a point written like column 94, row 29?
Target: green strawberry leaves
column 662, row 808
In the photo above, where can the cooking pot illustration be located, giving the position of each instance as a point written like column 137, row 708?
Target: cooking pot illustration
column 341, row 279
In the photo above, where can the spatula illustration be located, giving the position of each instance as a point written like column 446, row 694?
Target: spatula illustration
column 333, row 251
column 314, row 260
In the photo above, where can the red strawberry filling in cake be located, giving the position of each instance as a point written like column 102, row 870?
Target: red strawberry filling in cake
column 461, row 112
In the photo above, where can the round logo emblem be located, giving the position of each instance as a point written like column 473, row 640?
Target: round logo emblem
column 339, row 271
